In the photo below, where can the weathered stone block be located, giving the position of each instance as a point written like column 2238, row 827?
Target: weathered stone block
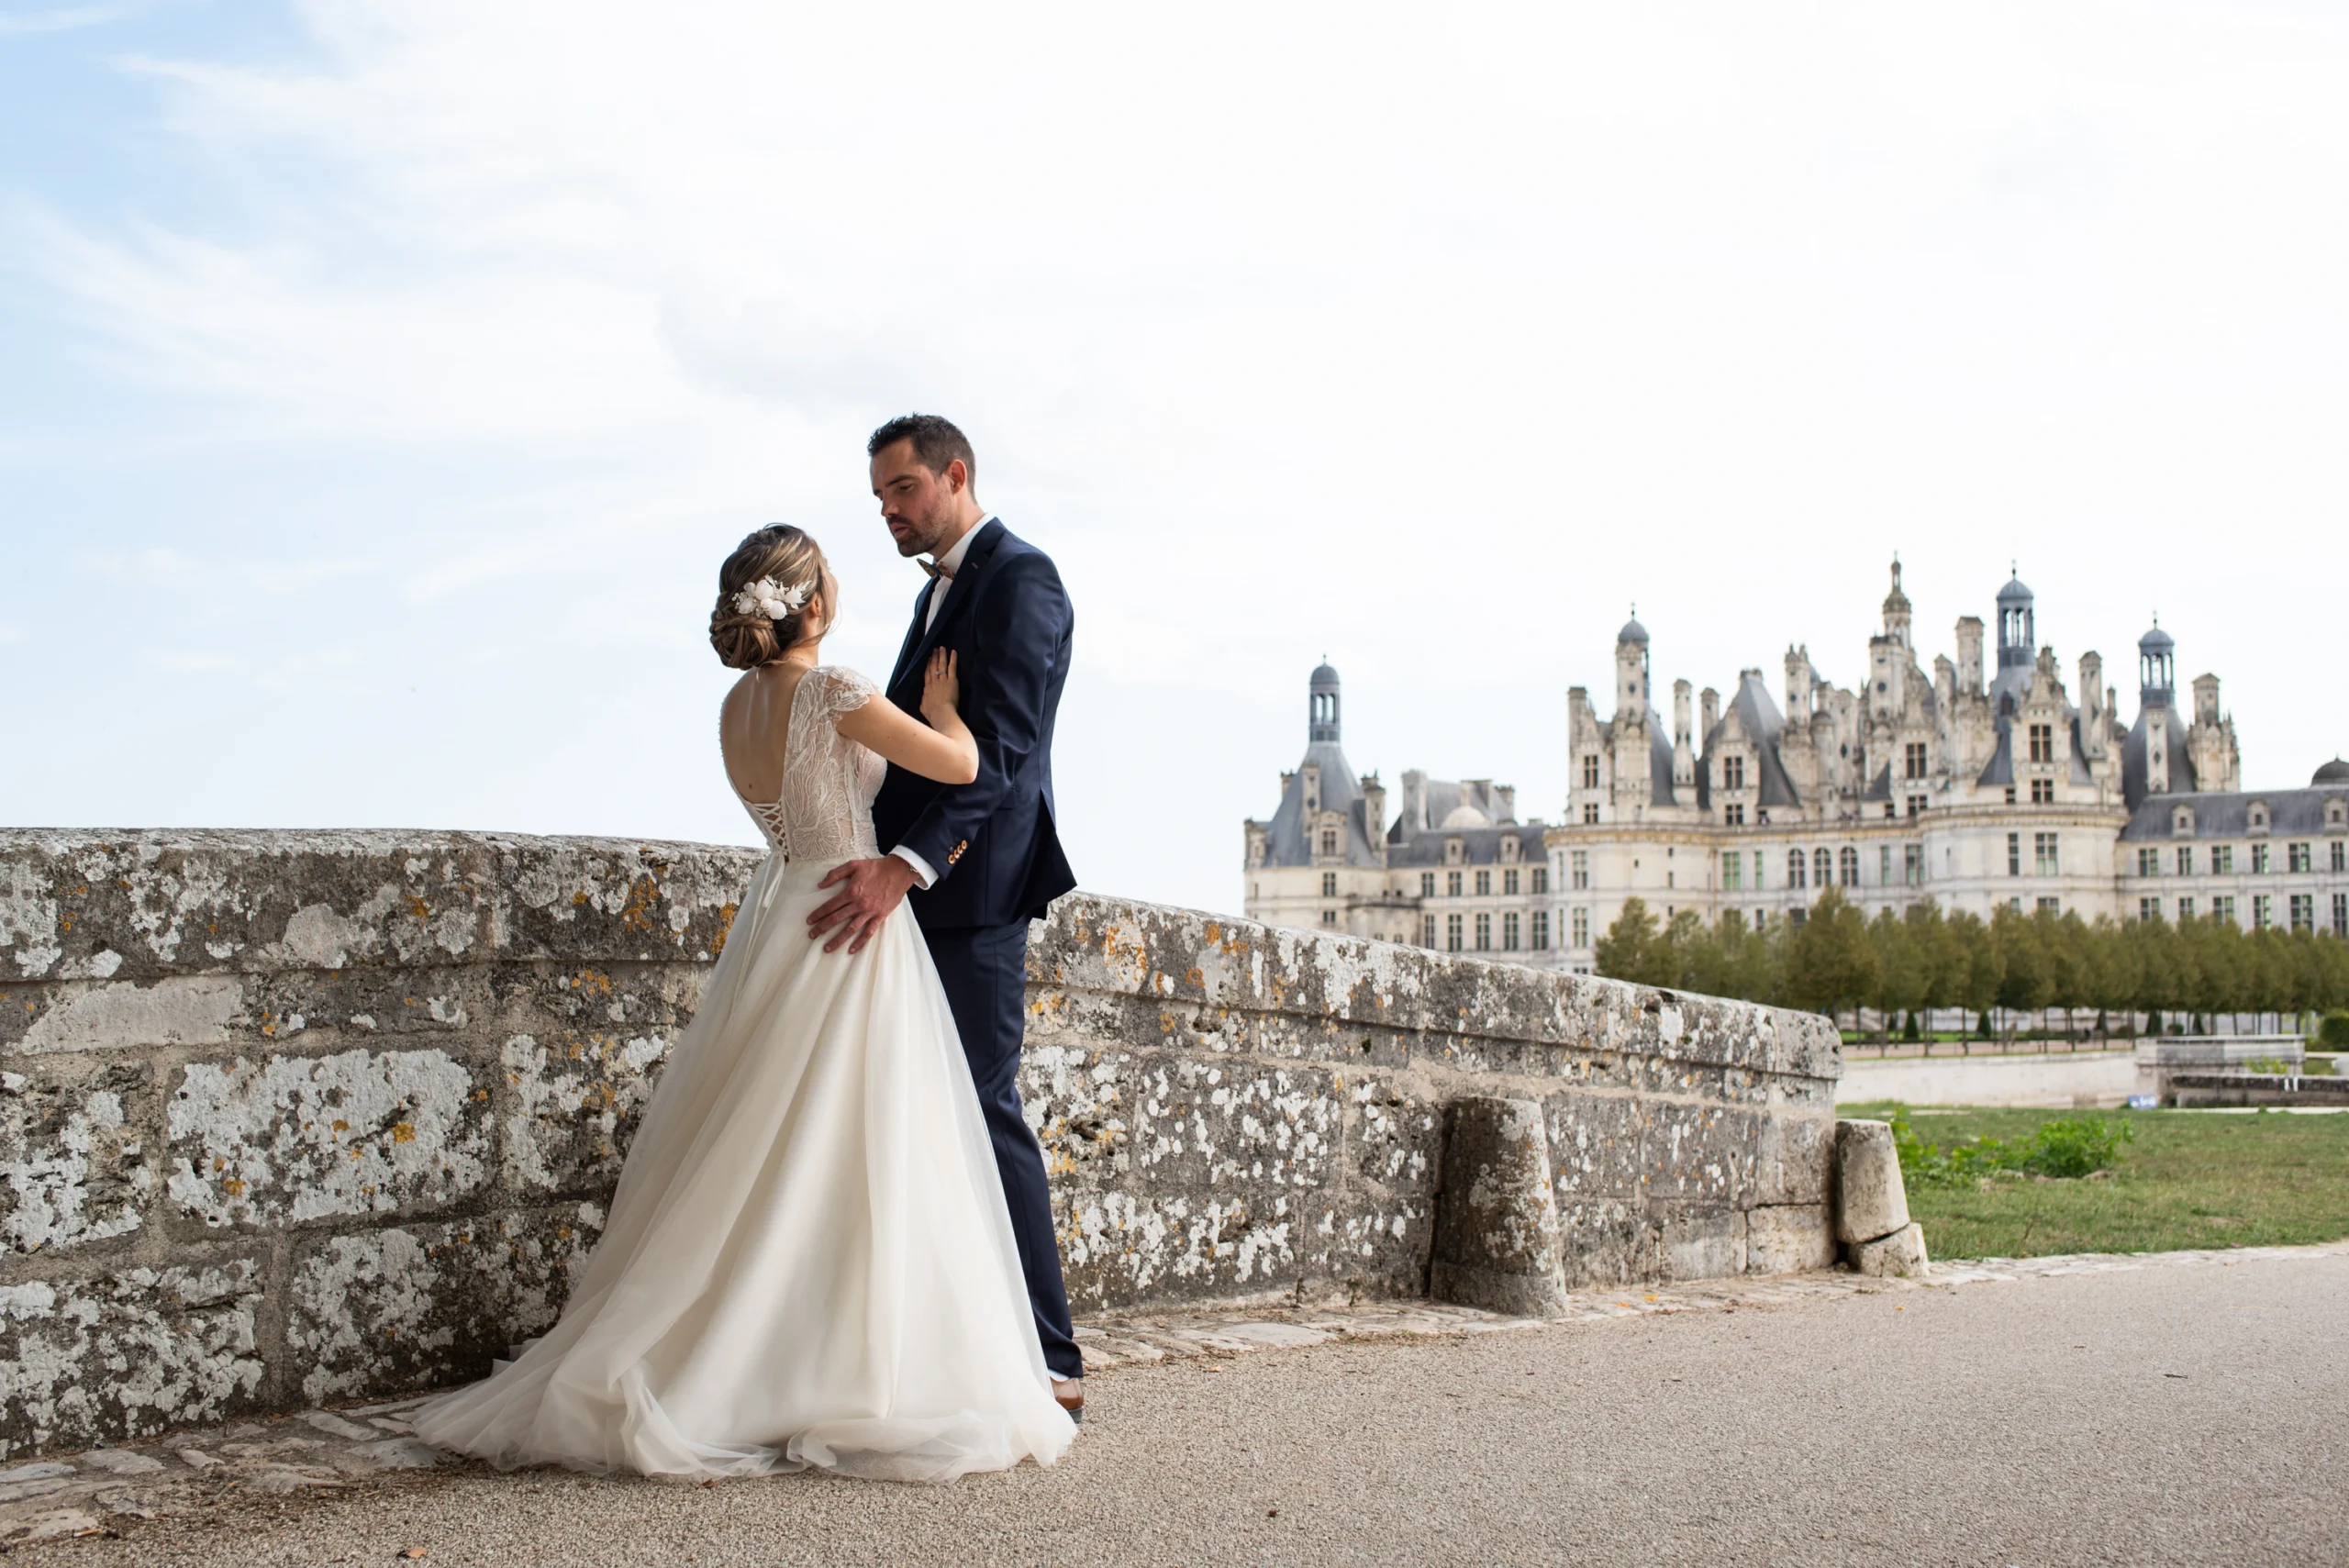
column 1789, row 1238
column 123, row 1355
column 615, row 898
column 1201, row 1125
column 387, row 1310
column 1700, row 1153
column 73, row 1165
column 1077, row 1100
column 1703, row 1244
column 1900, row 1254
column 290, row 1139
column 1120, row 1248
column 123, row 1015
column 1794, row 1157
column 1870, row 1200
column 576, row 1099
column 1496, row 1238
column 1594, row 1144
column 1605, row 1241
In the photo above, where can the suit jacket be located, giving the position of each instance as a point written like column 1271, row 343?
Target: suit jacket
column 992, row 842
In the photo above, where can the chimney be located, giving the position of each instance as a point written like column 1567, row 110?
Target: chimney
column 1505, row 801
column 1709, row 707
column 1798, row 681
column 1415, row 801
column 1373, row 810
column 1969, row 656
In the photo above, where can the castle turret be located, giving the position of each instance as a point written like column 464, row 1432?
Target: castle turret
column 1630, row 671
column 1896, row 609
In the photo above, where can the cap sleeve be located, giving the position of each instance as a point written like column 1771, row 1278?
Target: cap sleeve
column 844, row 692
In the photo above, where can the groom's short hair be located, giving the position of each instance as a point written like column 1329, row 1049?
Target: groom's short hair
column 936, row 442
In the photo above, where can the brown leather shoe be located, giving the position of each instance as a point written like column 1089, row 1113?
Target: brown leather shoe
column 1069, row 1394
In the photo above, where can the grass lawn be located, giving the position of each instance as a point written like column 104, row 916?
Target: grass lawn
column 2188, row 1179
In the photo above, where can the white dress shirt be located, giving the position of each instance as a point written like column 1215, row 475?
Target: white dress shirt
column 948, row 565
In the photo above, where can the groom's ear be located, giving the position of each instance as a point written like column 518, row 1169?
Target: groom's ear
column 957, row 475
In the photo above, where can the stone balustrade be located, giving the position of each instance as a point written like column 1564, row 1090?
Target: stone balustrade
column 299, row 1116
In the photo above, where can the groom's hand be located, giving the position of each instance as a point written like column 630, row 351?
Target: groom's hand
column 874, row 888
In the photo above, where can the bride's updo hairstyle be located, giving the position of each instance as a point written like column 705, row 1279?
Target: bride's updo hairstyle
column 763, row 593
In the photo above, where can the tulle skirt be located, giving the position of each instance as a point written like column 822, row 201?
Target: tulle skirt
column 808, row 1260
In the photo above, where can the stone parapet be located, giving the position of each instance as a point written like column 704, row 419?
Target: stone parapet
column 299, row 1116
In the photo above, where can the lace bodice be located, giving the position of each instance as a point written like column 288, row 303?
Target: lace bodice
column 825, row 812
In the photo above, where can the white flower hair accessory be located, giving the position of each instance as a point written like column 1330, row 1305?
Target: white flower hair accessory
column 772, row 599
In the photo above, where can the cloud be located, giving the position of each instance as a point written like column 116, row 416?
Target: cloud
column 67, row 18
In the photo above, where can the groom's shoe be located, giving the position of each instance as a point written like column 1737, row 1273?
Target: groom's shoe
column 1069, row 1392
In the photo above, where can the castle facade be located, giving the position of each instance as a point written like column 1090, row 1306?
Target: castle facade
column 1978, row 785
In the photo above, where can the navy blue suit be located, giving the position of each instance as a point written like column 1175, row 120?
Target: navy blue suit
column 998, row 855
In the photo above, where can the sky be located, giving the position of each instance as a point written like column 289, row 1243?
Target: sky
column 382, row 385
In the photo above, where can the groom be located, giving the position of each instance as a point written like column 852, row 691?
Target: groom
column 978, row 861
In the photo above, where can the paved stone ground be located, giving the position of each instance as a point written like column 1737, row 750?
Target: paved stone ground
column 2172, row 1408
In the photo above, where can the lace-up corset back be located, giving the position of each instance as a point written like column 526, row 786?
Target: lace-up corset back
column 825, row 812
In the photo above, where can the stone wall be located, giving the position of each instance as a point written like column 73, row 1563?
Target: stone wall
column 299, row 1117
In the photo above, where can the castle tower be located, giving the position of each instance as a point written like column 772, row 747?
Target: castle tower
column 1631, row 669
column 1324, row 702
column 2018, row 631
column 1896, row 609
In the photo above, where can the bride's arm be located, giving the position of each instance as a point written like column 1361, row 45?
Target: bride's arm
column 942, row 750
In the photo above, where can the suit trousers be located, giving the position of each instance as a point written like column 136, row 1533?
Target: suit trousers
column 985, row 972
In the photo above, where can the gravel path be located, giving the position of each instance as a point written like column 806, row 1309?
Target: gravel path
column 2112, row 1414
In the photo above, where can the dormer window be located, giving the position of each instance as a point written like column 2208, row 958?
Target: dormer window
column 1454, row 851
column 2259, row 817
column 2181, row 822
column 2336, row 815
column 1328, row 841
column 1509, row 847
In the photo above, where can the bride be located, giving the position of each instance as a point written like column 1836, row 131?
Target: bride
column 809, row 1260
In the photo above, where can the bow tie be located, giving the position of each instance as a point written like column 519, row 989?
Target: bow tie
column 930, row 570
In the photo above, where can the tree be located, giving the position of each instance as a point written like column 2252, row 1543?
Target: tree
column 2026, row 968
column 1975, row 965
column 1900, row 967
column 1634, row 950
column 1829, row 963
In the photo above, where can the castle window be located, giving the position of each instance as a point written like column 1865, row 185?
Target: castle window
column 1541, row 930
column 1541, row 877
column 1912, row 757
column 1884, row 866
column 2263, row 911
column 1483, row 883
column 2223, row 861
column 2185, row 909
column 1509, row 847
column 1454, row 851
column 1452, row 884
column 1733, row 772
column 1916, row 805
column 2259, row 819
column 2297, row 858
column 1452, row 926
column 2010, row 794
column 2149, row 910
column 1912, row 864
column 2043, row 792
column 2149, row 863
column 1847, row 864
column 1582, row 869
column 1328, row 885
column 2051, row 906
column 2259, row 860
column 2340, row 856
column 1509, row 931
column 2042, row 742
column 2186, row 858
column 1508, row 880
column 2181, row 822
column 1428, row 926
column 1590, row 816
column 2042, row 853
column 2014, row 855
column 2340, row 924
column 1759, row 875
column 1823, row 867
column 1733, row 814
column 1795, row 866
column 2336, row 815
column 1590, row 772
column 1484, row 932
column 1733, row 871
column 1328, row 917
column 1582, row 927
column 2304, row 911
column 1427, row 886
column 2221, row 909
column 1328, row 840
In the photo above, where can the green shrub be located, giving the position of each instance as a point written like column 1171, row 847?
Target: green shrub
column 2333, row 1033
column 2273, row 1066
column 2060, row 1148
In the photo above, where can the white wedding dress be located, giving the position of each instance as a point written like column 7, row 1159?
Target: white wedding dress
column 808, row 1260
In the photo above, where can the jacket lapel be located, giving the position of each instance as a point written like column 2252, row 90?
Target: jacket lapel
column 913, row 637
column 959, row 589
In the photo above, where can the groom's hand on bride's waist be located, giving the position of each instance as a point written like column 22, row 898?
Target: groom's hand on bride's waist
column 868, row 891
